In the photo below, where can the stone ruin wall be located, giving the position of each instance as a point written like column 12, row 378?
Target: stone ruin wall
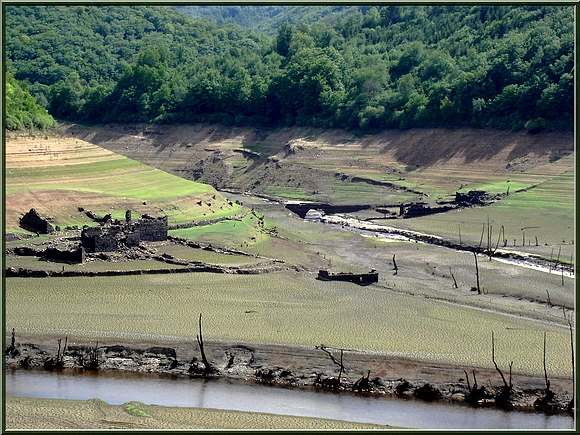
column 113, row 236
column 108, row 236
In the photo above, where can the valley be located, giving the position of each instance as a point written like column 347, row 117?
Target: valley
column 249, row 263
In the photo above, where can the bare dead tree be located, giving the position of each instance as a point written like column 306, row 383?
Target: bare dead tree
column 502, row 399
column 363, row 383
column 476, row 393
column 453, row 277
column 12, row 341
column 542, row 403
column 489, row 231
column 499, row 237
column 494, row 363
column 477, row 273
column 548, row 301
column 570, row 327
column 12, row 348
column 208, row 369
column 460, row 235
column 59, row 363
column 481, row 238
column 342, row 369
column 467, row 378
column 545, row 369
column 395, row 265
column 93, row 363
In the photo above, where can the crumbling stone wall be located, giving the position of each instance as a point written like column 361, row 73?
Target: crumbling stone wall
column 113, row 236
column 418, row 209
column 151, row 229
column 72, row 256
column 60, row 256
column 99, row 239
column 473, row 197
column 356, row 278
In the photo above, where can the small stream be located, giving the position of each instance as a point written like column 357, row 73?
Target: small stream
column 119, row 388
column 383, row 232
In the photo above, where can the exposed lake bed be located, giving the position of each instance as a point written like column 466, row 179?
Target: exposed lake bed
column 298, row 368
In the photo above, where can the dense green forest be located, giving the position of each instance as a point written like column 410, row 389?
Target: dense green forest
column 268, row 19
column 361, row 68
column 22, row 110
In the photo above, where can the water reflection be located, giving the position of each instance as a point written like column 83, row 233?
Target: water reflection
column 116, row 388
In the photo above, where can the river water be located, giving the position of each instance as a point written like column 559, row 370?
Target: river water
column 119, row 388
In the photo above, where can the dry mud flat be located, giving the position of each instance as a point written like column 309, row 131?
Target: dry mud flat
column 44, row 414
column 365, row 373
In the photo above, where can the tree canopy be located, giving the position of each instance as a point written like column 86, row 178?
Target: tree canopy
column 363, row 67
column 22, row 110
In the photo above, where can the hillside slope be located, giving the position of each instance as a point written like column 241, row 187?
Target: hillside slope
column 63, row 177
column 334, row 166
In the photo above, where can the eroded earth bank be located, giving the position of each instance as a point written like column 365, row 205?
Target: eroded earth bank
column 349, row 371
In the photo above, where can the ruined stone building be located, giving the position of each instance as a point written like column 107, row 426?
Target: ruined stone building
column 35, row 223
column 115, row 235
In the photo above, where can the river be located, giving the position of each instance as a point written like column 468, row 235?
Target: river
column 119, row 388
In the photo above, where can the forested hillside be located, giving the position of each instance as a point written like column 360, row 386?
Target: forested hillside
column 268, row 19
column 22, row 111
column 373, row 68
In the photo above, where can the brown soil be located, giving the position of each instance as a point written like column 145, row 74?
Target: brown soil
column 206, row 152
column 312, row 159
column 293, row 366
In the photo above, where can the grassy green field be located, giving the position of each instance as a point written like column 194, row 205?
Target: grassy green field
column 231, row 233
column 106, row 183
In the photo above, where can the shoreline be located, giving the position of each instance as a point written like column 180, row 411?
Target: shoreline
column 303, row 367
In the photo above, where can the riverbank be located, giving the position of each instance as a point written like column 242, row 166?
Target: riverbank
column 314, row 367
column 43, row 414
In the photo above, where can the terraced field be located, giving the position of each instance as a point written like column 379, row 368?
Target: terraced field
column 57, row 175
